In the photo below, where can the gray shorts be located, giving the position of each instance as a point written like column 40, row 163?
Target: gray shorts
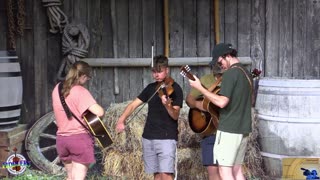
column 159, row 156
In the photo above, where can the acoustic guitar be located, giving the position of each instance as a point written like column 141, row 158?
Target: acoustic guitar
column 98, row 129
column 203, row 122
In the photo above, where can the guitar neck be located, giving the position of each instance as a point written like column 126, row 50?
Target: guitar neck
column 190, row 76
column 185, row 72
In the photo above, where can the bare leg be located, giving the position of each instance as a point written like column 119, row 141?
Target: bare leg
column 213, row 172
column 156, row 176
column 237, row 172
column 68, row 167
column 163, row 176
column 226, row 172
column 166, row 176
column 79, row 171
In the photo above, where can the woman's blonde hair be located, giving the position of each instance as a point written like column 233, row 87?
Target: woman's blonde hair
column 78, row 69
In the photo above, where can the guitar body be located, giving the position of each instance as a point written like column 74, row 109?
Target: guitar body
column 98, row 129
column 212, row 109
column 200, row 122
column 203, row 122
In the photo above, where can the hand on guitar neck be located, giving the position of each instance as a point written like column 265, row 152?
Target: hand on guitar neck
column 202, row 120
column 185, row 72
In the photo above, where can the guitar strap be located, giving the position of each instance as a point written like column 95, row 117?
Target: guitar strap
column 69, row 113
column 214, row 85
column 250, row 81
column 244, row 72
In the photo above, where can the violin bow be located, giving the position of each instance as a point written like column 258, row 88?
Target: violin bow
column 144, row 105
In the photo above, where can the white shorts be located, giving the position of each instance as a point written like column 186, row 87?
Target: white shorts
column 229, row 148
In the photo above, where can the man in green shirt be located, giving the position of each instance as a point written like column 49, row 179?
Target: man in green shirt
column 207, row 142
column 234, row 100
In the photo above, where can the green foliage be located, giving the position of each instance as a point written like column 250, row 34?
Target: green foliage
column 31, row 174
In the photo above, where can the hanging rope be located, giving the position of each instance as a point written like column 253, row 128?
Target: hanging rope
column 75, row 44
column 11, row 25
column 75, row 37
column 21, row 17
column 57, row 19
column 16, row 21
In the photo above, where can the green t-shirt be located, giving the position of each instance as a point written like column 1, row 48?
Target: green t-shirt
column 236, row 116
column 206, row 81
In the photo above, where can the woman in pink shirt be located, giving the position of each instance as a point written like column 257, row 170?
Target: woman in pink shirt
column 75, row 144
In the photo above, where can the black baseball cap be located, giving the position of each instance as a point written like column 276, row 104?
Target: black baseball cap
column 220, row 50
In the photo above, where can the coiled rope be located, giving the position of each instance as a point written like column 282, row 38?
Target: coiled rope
column 75, row 44
column 57, row 19
column 75, row 37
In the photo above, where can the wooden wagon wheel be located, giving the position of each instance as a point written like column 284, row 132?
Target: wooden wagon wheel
column 40, row 144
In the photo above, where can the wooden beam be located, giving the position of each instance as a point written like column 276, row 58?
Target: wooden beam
column 166, row 27
column 216, row 21
column 144, row 62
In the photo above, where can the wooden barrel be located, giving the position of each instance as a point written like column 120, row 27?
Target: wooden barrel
column 288, row 120
column 10, row 90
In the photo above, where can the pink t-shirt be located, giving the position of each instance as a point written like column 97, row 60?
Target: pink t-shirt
column 78, row 101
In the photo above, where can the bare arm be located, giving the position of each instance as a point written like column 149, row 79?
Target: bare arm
column 193, row 103
column 97, row 110
column 220, row 101
column 126, row 113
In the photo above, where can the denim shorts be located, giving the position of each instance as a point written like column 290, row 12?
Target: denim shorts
column 207, row 145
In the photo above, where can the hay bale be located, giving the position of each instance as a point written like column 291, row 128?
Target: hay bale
column 130, row 140
column 253, row 161
column 190, row 165
column 128, row 165
column 123, row 157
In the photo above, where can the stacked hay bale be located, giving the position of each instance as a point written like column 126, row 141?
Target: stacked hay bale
column 124, row 157
column 253, row 160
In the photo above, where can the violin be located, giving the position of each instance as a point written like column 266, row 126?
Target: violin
column 165, row 87
column 16, row 161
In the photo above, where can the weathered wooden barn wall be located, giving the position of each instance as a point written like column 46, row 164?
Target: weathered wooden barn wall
column 280, row 36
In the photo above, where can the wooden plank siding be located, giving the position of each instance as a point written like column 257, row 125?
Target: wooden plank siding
column 280, row 36
column 313, row 39
column 41, row 58
column 3, row 25
column 230, row 22
column 258, row 33
column 299, row 38
column 152, row 27
column 26, row 56
column 135, row 47
column 285, row 40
